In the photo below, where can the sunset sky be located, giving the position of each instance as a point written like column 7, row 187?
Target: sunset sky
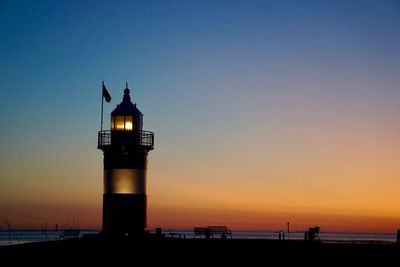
column 264, row 112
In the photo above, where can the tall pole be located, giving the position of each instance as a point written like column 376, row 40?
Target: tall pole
column 102, row 101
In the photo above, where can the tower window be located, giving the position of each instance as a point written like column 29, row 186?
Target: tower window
column 128, row 123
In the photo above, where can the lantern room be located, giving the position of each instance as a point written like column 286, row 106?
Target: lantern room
column 126, row 116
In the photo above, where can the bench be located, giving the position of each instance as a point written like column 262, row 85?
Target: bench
column 70, row 233
column 223, row 231
column 211, row 231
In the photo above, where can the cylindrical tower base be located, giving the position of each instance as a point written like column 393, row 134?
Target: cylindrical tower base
column 124, row 214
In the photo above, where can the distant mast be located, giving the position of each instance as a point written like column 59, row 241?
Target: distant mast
column 125, row 147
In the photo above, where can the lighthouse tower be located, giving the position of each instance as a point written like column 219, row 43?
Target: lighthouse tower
column 125, row 148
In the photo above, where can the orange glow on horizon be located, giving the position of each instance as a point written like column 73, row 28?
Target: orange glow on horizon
column 40, row 216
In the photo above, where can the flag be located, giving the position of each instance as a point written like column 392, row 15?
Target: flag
column 106, row 94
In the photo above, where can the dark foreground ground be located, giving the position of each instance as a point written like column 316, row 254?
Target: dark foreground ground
column 192, row 252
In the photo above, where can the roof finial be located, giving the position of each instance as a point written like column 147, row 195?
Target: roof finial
column 126, row 93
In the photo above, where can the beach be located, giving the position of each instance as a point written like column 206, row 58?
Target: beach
column 153, row 250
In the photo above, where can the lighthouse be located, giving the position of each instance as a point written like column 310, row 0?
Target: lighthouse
column 125, row 148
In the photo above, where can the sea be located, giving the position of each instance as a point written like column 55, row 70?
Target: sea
column 26, row 236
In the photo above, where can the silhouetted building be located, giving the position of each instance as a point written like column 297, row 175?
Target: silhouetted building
column 125, row 148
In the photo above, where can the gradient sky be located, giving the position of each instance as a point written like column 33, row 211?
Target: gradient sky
column 264, row 112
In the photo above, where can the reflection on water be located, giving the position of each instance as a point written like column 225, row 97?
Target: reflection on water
column 18, row 237
column 325, row 237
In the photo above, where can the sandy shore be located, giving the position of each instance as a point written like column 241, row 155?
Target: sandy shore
column 187, row 252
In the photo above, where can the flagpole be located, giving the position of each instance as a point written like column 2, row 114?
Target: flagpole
column 102, row 101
